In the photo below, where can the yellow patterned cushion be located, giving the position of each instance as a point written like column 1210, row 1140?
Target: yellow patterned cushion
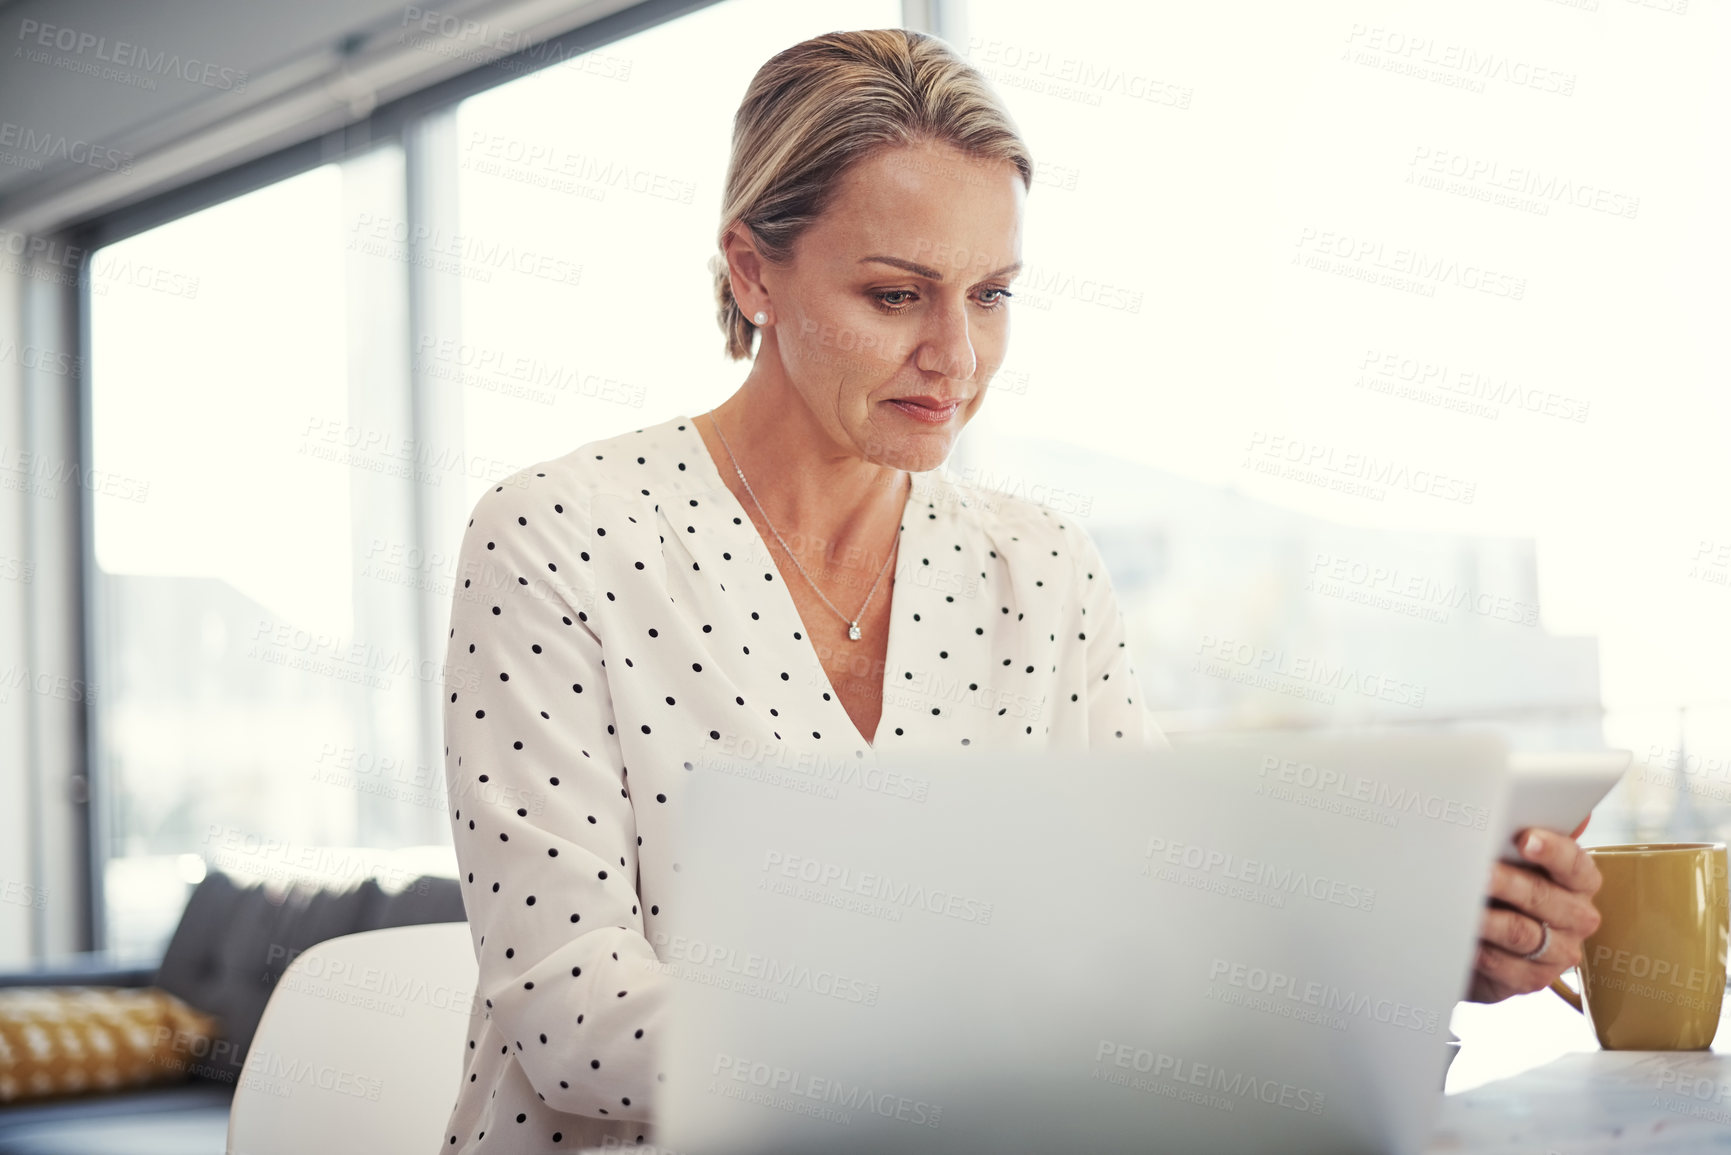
column 67, row 1040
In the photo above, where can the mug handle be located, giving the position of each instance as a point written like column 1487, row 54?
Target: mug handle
column 1557, row 984
column 1566, row 994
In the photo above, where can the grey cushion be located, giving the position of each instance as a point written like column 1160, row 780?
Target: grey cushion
column 194, row 953
column 235, row 941
column 426, row 899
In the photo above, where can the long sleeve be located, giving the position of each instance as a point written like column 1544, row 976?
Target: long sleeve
column 1117, row 714
column 541, row 816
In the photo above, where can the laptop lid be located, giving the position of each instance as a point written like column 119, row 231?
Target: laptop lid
column 1246, row 943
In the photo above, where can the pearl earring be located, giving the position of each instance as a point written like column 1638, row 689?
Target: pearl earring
column 760, row 318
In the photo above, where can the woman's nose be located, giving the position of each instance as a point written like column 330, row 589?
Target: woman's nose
column 949, row 348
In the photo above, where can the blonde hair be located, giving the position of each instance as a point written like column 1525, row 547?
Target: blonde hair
column 815, row 109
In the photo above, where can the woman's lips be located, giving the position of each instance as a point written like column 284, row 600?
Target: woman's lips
column 928, row 414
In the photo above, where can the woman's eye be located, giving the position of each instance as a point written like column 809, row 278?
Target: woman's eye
column 990, row 298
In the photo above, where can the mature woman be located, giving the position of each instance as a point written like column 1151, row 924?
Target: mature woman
column 786, row 570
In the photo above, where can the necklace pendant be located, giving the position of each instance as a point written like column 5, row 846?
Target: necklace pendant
column 853, row 631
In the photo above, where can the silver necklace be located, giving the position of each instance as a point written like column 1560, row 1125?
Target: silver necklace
column 853, row 624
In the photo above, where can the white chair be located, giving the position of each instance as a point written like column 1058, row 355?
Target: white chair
column 361, row 1046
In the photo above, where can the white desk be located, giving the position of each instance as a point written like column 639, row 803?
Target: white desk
column 1652, row 1102
column 1531, row 1080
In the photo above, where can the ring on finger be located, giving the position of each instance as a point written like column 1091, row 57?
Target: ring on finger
column 1544, row 943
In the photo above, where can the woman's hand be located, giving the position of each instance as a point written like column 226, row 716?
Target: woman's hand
column 1557, row 889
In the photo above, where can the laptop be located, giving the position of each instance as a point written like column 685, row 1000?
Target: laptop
column 1246, row 943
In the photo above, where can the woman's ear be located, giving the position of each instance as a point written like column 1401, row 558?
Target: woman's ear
column 745, row 268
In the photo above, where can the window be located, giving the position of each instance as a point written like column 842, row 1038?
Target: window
column 262, row 694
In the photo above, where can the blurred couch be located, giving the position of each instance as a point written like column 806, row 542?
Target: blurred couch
column 234, row 941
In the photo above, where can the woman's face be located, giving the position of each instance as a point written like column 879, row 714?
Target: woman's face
column 893, row 315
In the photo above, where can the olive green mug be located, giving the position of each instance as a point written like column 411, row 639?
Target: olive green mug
column 1653, row 974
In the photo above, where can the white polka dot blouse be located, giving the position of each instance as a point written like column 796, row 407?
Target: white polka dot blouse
column 618, row 615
